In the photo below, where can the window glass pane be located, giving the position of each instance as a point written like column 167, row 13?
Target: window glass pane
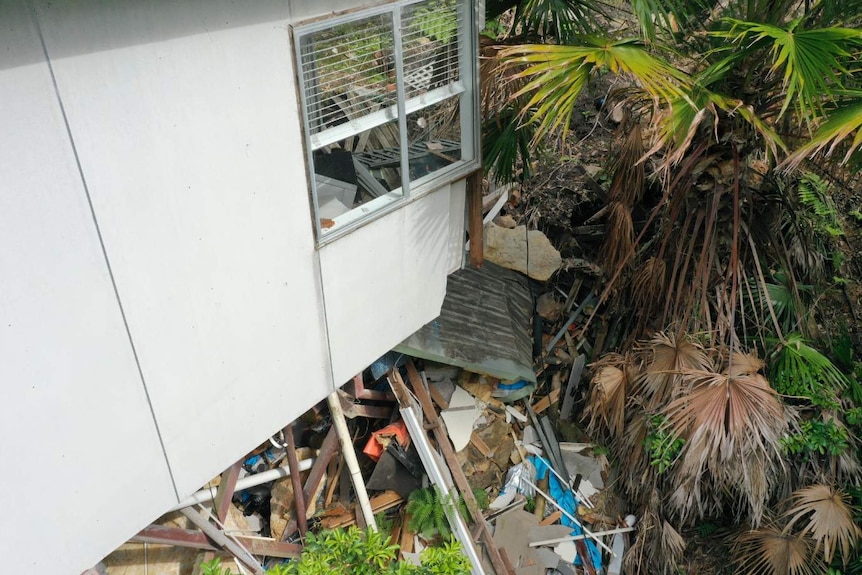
column 430, row 41
column 348, row 72
column 357, row 176
column 434, row 134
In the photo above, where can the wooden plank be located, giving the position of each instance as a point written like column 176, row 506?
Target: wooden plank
column 296, row 480
column 437, row 397
column 552, row 518
column 407, row 535
column 386, row 500
column 501, row 564
column 327, row 450
column 475, row 225
column 480, row 444
column 226, row 487
column 546, row 401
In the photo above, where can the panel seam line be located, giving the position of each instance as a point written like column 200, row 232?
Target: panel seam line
column 80, row 169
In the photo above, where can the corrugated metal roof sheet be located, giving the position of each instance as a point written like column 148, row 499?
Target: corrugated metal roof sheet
column 484, row 325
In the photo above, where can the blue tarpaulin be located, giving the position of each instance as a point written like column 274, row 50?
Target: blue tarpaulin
column 567, row 500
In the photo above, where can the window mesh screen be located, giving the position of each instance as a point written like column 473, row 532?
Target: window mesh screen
column 348, row 71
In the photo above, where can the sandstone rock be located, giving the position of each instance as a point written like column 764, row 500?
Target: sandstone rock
column 508, row 248
column 548, row 307
column 506, row 221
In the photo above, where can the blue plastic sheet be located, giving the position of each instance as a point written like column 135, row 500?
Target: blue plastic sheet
column 567, row 500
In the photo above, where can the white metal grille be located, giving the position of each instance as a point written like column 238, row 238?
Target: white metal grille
column 430, row 32
column 348, row 71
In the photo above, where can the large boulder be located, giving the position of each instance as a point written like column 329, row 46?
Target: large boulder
column 509, row 248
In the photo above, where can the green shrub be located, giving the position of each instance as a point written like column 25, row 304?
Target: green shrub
column 355, row 552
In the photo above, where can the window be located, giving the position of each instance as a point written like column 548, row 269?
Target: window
column 388, row 104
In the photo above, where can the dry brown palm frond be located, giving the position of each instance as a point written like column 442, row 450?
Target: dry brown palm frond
column 627, row 185
column 768, row 551
column 732, row 427
column 619, row 238
column 638, row 475
column 606, row 409
column 741, row 364
column 608, row 400
column 669, row 357
column 658, row 548
column 648, row 287
column 830, row 519
column 496, row 78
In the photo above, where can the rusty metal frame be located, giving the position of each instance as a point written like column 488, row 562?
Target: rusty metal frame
column 359, row 391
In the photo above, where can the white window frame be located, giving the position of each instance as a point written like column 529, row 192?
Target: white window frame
column 465, row 88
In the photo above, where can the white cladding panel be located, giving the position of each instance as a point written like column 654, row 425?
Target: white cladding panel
column 189, row 137
column 384, row 281
column 457, row 223
column 81, row 461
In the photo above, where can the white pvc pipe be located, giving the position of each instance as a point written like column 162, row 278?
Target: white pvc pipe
column 582, row 536
column 245, row 483
column 435, row 473
column 349, row 453
column 570, row 516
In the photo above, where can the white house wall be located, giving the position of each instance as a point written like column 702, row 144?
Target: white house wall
column 387, row 281
column 190, row 148
column 79, row 452
column 149, row 342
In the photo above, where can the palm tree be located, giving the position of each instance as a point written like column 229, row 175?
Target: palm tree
column 725, row 101
column 740, row 114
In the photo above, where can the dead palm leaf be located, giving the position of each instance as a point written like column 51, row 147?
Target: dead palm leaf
column 619, row 238
column 733, row 427
column 606, row 411
column 743, row 364
column 670, row 356
column 830, row 519
column 648, row 287
column 769, row 551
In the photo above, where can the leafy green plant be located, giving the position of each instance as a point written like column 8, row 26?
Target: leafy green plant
column 814, row 195
column 800, row 370
column 425, row 510
column 817, row 436
column 661, row 444
column 445, row 559
column 214, row 567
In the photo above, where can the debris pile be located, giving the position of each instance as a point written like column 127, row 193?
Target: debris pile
column 464, row 430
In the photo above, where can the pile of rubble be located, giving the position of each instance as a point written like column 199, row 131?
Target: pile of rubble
column 418, row 423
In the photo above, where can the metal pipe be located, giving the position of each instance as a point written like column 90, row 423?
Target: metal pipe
column 350, row 459
column 242, row 484
column 570, row 516
column 435, row 473
column 579, row 537
column 222, row 540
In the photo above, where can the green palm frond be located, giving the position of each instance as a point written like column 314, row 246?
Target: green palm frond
column 556, row 75
column 671, row 15
column 507, row 148
column 561, row 19
column 800, row 370
column 841, row 122
column 812, row 61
